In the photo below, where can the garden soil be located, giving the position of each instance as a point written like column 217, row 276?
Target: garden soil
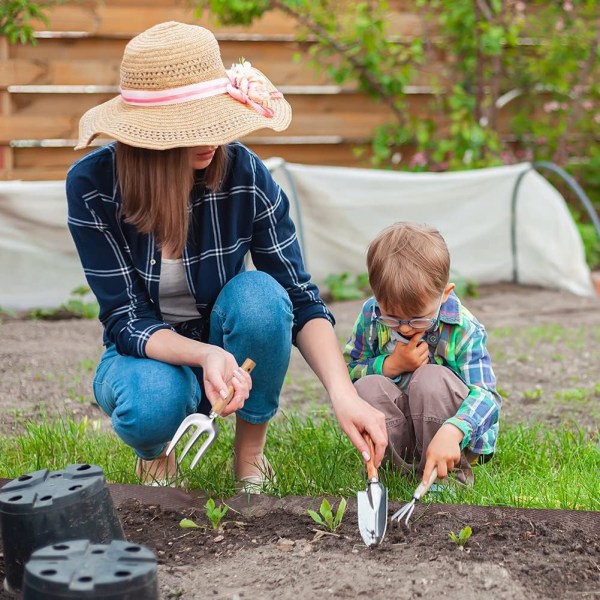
column 269, row 548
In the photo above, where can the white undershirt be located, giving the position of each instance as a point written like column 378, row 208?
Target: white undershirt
column 176, row 302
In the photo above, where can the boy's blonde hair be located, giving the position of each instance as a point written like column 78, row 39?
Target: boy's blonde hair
column 409, row 265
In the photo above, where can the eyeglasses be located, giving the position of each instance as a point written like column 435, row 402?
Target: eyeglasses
column 418, row 323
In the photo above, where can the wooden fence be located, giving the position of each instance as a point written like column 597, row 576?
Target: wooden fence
column 44, row 89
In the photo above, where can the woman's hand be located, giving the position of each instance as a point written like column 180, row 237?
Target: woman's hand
column 406, row 358
column 356, row 417
column 320, row 348
column 221, row 374
column 443, row 451
column 219, row 367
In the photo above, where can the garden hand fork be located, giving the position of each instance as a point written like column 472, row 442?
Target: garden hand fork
column 407, row 510
column 204, row 423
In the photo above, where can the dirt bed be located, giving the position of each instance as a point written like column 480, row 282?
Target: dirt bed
column 271, row 548
column 275, row 551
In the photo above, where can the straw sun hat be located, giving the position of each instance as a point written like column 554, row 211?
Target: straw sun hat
column 175, row 91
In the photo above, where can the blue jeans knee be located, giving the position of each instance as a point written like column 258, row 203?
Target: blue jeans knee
column 146, row 399
column 252, row 318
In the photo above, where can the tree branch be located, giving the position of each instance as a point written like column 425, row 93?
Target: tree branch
column 358, row 66
column 561, row 154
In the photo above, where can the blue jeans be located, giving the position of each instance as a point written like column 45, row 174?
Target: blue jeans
column 148, row 399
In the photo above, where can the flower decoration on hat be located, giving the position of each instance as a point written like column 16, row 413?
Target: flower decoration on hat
column 249, row 86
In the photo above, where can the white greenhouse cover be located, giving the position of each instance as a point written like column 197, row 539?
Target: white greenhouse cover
column 342, row 209
column 338, row 211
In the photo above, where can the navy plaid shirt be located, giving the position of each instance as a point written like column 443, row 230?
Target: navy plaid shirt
column 122, row 265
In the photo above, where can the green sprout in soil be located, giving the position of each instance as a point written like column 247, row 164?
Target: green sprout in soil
column 215, row 513
column 462, row 537
column 189, row 524
column 326, row 518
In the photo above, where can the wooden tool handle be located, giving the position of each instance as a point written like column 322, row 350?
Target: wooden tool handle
column 371, row 470
column 221, row 403
column 423, row 487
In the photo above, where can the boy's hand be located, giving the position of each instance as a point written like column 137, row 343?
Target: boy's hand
column 407, row 358
column 443, row 451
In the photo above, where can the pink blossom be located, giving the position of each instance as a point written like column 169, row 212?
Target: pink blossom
column 520, row 6
column 551, row 106
column 568, row 6
column 587, row 105
column 560, row 25
column 419, row 159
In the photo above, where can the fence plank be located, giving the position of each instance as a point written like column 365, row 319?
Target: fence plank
column 125, row 19
column 276, row 61
column 348, row 115
column 36, row 164
column 79, row 62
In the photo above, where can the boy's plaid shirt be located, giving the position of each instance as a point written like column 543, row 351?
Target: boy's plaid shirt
column 122, row 266
column 461, row 347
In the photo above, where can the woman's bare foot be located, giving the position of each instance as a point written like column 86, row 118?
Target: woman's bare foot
column 161, row 471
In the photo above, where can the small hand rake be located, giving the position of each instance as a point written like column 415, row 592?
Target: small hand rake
column 204, row 424
column 407, row 510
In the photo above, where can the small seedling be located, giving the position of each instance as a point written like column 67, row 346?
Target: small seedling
column 462, row 537
column 189, row 524
column 532, row 395
column 326, row 518
column 215, row 513
column 79, row 304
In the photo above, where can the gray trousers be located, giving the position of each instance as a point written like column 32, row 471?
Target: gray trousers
column 434, row 394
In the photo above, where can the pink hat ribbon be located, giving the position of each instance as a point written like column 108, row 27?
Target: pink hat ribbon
column 244, row 84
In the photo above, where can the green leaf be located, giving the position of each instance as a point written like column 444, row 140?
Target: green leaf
column 188, row 523
column 316, row 517
column 339, row 515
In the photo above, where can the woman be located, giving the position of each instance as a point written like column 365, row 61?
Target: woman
column 162, row 220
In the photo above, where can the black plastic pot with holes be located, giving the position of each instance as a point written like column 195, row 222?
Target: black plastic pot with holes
column 47, row 507
column 81, row 570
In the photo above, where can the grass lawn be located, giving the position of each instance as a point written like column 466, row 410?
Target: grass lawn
column 534, row 466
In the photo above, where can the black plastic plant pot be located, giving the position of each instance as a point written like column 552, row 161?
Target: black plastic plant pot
column 78, row 569
column 46, row 507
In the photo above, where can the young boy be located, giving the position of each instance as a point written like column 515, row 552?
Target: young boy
column 418, row 355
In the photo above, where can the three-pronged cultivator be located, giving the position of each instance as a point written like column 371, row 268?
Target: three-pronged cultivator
column 204, row 424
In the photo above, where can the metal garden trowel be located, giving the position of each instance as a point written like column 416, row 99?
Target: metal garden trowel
column 372, row 504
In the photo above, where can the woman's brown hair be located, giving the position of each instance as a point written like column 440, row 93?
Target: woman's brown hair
column 409, row 265
column 155, row 190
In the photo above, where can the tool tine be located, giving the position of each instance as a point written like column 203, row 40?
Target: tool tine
column 193, row 439
column 212, row 434
column 408, row 515
column 401, row 513
column 181, row 430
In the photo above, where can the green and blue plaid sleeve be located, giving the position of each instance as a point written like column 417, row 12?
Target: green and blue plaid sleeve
column 478, row 415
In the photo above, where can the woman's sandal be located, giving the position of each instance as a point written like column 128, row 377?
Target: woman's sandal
column 152, row 481
column 256, row 484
